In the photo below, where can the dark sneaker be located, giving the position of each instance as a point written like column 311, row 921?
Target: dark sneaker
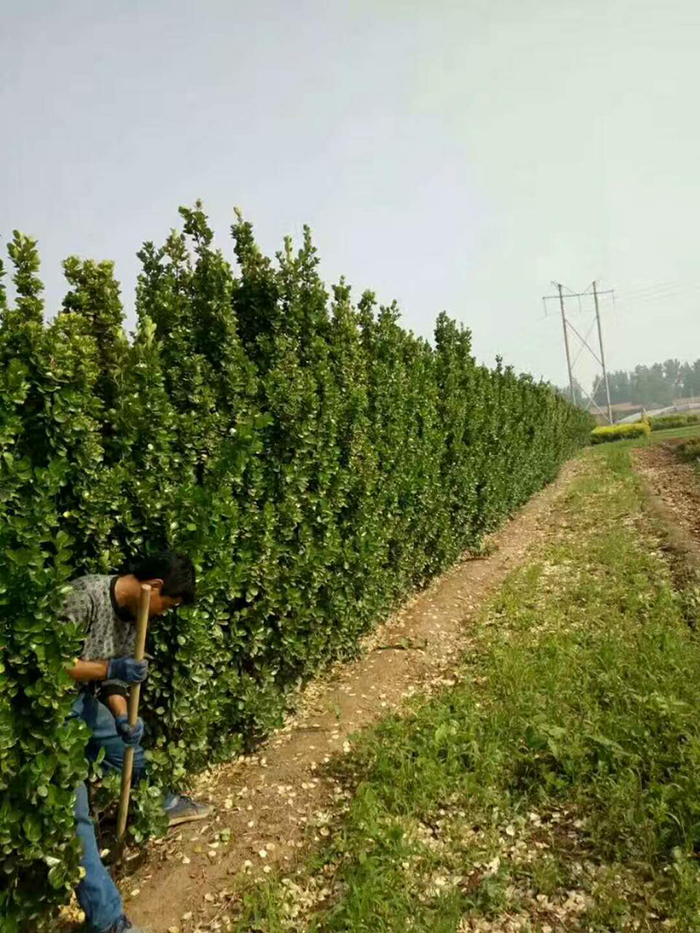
column 185, row 810
column 124, row 925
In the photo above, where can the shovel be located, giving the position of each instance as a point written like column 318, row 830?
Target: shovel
column 134, row 697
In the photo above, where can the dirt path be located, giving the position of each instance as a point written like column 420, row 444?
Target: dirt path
column 675, row 500
column 268, row 805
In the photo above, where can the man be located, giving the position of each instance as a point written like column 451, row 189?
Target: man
column 106, row 608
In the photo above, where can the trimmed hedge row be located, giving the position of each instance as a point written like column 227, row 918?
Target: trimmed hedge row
column 317, row 461
column 663, row 422
column 689, row 451
column 620, row 432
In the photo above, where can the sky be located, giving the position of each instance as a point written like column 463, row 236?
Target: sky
column 456, row 156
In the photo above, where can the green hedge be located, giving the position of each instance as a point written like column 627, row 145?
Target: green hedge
column 317, row 461
column 688, row 451
column 620, row 432
column 664, row 422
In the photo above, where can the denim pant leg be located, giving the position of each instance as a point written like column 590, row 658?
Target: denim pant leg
column 97, row 893
column 104, row 735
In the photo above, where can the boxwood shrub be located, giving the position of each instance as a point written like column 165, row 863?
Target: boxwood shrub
column 316, row 460
column 689, row 451
column 664, row 422
column 620, row 432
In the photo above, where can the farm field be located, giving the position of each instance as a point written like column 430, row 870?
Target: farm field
column 660, row 437
column 542, row 774
column 675, row 489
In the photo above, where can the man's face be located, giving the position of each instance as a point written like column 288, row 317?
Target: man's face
column 161, row 604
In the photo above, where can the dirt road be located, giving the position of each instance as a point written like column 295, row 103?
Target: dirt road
column 268, row 806
column 674, row 490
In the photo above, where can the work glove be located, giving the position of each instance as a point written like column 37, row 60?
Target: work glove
column 129, row 670
column 130, row 735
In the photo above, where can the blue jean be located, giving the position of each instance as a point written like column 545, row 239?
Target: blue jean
column 97, row 893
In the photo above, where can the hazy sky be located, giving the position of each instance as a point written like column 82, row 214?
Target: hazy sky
column 453, row 156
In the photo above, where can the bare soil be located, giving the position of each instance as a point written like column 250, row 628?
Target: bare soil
column 674, row 501
column 275, row 802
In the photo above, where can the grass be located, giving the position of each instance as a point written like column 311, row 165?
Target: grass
column 658, row 437
column 689, row 450
column 557, row 784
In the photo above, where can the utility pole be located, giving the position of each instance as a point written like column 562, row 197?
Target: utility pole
column 583, row 344
column 566, row 341
column 602, row 352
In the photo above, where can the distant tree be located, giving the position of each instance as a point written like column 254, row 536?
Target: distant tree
column 580, row 398
column 689, row 380
column 694, row 379
column 650, row 386
column 672, row 371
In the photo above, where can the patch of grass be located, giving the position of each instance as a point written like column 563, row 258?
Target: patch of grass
column 674, row 421
column 660, row 437
column 557, row 784
column 689, row 450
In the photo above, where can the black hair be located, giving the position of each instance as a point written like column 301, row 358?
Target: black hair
column 175, row 570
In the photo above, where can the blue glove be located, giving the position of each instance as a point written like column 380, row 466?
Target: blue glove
column 129, row 670
column 130, row 735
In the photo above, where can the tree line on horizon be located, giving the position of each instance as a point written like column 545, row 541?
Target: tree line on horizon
column 650, row 386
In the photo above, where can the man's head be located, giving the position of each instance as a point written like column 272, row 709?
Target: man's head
column 171, row 578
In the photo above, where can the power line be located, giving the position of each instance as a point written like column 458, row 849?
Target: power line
column 660, row 288
column 577, row 295
column 679, row 292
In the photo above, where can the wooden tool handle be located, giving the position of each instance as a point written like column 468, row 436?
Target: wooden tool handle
column 140, row 649
column 134, row 697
